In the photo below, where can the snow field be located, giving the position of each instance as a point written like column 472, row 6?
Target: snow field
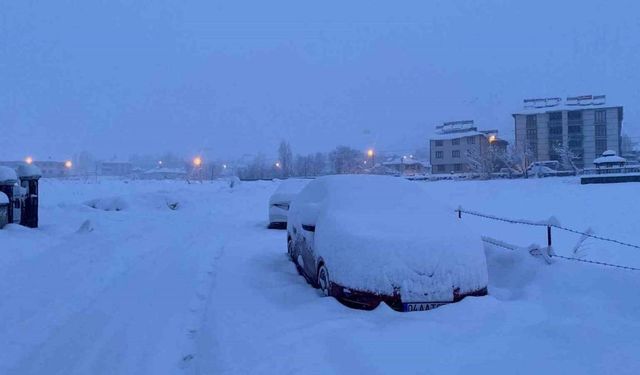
column 207, row 289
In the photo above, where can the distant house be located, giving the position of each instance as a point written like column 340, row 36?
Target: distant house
column 115, row 168
column 454, row 142
column 164, row 174
column 406, row 166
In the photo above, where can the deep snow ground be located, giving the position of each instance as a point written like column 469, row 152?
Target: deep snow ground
column 207, row 289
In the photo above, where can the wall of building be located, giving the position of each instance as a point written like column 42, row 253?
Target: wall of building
column 589, row 152
column 447, row 163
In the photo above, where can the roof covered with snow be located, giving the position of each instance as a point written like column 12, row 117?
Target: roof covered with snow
column 165, row 171
column 8, row 175
column 405, row 161
column 455, row 135
column 29, row 170
column 609, row 157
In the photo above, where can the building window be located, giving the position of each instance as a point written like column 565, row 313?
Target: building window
column 575, row 129
column 574, row 143
column 574, row 116
column 455, row 153
column 601, row 130
column 455, row 142
column 555, row 130
column 457, row 167
column 601, row 117
column 601, row 146
column 439, row 143
column 555, row 116
column 439, row 154
column 471, row 140
column 532, row 121
column 440, row 168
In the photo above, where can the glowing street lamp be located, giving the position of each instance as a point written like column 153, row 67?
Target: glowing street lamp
column 159, row 163
column 197, row 161
column 370, row 153
column 224, row 166
column 28, row 160
column 68, row 164
column 492, row 138
column 277, row 164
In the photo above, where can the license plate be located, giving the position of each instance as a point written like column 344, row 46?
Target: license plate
column 421, row 306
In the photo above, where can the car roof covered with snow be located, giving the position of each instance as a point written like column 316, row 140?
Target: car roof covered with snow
column 3, row 198
column 393, row 228
column 288, row 189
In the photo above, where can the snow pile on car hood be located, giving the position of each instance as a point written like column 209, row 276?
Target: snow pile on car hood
column 380, row 233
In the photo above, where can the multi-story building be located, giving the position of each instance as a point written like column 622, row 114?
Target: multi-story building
column 455, row 142
column 585, row 125
column 115, row 168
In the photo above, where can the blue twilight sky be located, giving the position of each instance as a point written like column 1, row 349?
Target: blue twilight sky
column 227, row 78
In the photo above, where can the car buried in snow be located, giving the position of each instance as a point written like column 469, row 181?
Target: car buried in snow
column 371, row 239
column 281, row 199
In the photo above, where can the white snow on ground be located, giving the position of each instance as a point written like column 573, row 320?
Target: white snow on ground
column 206, row 289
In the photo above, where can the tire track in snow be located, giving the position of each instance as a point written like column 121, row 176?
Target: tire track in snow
column 198, row 309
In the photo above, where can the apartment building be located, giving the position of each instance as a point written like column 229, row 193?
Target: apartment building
column 586, row 125
column 453, row 142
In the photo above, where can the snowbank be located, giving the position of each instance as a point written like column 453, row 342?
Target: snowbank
column 108, row 204
column 3, row 198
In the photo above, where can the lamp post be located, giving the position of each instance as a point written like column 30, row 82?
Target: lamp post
column 28, row 160
column 197, row 164
column 371, row 154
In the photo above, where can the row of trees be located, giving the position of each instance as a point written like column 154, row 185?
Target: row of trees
column 341, row 160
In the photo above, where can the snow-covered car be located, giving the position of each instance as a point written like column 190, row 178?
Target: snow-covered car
column 371, row 239
column 280, row 200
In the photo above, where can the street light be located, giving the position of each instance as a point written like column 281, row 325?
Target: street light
column 492, row 138
column 277, row 164
column 370, row 153
column 197, row 161
column 28, row 160
column 68, row 164
column 159, row 163
column 224, row 166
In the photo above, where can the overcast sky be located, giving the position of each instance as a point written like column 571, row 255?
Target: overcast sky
column 226, row 78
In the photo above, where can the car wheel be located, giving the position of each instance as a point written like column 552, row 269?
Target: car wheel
column 324, row 282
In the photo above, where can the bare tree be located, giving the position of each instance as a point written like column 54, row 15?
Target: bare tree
column 285, row 158
column 628, row 145
column 567, row 158
column 482, row 162
column 346, row 160
column 319, row 164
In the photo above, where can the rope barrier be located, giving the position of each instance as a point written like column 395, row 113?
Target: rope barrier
column 460, row 211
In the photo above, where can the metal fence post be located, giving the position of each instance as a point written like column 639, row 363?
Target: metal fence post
column 549, row 235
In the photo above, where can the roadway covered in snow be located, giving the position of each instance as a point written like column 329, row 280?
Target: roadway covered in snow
column 176, row 278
